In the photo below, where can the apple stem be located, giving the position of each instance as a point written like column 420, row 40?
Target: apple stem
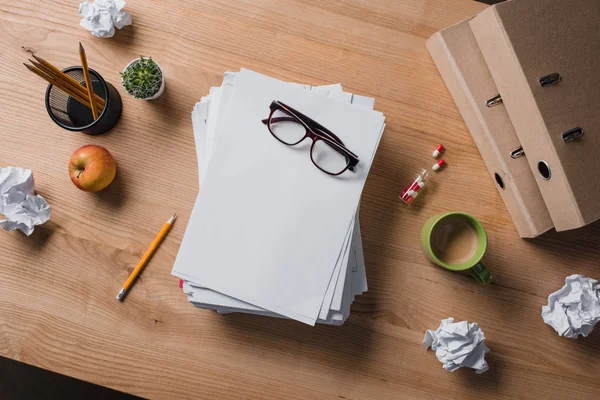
column 79, row 174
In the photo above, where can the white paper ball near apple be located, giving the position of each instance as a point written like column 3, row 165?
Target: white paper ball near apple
column 92, row 168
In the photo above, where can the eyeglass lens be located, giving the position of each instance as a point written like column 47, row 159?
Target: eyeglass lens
column 290, row 131
column 326, row 157
column 286, row 128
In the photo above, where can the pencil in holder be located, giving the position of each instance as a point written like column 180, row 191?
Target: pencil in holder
column 70, row 114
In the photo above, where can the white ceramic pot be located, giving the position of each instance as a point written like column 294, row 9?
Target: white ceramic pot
column 162, row 85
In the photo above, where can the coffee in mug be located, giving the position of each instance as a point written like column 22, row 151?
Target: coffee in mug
column 454, row 240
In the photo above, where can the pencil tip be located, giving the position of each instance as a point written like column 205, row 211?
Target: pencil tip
column 170, row 221
column 80, row 47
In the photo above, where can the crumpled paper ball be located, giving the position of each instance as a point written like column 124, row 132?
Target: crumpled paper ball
column 575, row 308
column 18, row 203
column 458, row 344
column 102, row 16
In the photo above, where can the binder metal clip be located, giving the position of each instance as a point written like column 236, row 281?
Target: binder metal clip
column 572, row 134
column 550, row 79
column 516, row 153
column 494, row 101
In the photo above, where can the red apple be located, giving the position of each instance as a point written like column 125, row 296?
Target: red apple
column 92, row 168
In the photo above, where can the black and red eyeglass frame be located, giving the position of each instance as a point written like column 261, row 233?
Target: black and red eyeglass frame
column 314, row 131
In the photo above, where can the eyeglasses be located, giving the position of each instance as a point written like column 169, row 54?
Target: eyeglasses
column 327, row 152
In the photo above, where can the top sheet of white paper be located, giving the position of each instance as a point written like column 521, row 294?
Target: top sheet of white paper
column 268, row 226
column 354, row 259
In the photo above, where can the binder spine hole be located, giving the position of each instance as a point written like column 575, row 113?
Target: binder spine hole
column 499, row 181
column 544, row 170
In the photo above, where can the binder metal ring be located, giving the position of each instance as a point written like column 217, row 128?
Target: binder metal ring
column 494, row 101
column 572, row 134
column 550, row 79
column 516, row 153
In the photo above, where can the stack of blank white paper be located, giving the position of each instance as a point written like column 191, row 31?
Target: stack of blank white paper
column 270, row 234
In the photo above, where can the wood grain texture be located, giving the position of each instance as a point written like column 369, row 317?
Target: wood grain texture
column 57, row 288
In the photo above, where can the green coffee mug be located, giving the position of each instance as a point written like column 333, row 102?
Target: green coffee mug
column 456, row 241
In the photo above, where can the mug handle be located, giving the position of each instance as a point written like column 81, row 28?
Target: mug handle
column 481, row 274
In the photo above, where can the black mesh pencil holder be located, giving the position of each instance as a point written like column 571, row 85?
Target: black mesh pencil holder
column 70, row 114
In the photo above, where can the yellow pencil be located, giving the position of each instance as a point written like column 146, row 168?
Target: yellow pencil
column 88, row 81
column 138, row 269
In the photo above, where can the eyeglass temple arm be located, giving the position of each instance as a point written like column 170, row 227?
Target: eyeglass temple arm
column 325, row 130
column 292, row 119
column 316, row 126
column 278, row 119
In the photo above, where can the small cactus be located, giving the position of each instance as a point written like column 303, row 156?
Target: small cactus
column 143, row 78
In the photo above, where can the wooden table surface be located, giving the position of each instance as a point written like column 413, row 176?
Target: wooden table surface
column 57, row 288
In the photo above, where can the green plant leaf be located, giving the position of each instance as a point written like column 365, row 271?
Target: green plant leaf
column 143, row 78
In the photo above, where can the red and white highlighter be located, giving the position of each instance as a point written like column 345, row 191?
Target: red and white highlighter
column 410, row 193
